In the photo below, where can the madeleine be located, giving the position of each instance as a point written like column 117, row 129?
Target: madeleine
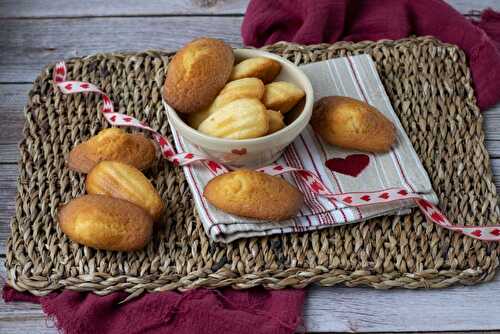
column 240, row 119
column 282, row 96
column 107, row 223
column 234, row 90
column 112, row 144
column 265, row 69
column 352, row 124
column 197, row 73
column 254, row 194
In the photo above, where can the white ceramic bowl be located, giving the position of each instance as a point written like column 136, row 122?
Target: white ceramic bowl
column 255, row 152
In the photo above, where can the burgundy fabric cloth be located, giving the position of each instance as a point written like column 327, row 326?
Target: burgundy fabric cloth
column 197, row 311
column 316, row 21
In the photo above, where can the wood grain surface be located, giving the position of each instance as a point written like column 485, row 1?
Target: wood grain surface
column 29, row 44
column 36, row 33
column 97, row 8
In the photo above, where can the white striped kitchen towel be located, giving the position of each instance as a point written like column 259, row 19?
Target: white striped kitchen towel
column 342, row 171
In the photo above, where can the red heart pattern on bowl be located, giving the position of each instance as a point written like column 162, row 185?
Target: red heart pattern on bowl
column 240, row 151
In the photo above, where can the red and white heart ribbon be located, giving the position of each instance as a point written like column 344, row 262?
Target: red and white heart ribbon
column 314, row 183
column 119, row 119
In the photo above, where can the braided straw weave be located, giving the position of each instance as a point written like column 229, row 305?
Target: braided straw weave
column 429, row 85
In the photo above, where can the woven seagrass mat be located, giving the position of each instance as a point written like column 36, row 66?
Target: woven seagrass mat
column 429, row 85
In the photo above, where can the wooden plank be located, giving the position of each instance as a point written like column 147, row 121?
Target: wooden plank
column 75, row 8
column 33, row 324
column 29, row 44
column 466, row 6
column 367, row 310
column 493, row 147
column 340, row 309
column 13, row 98
column 8, row 181
column 12, row 101
column 491, row 123
column 9, row 153
column 18, row 318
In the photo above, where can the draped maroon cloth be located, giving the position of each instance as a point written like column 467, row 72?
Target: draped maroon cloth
column 197, row 311
column 317, row 21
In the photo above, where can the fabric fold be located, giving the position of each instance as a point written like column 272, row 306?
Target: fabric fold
column 329, row 21
column 196, row 311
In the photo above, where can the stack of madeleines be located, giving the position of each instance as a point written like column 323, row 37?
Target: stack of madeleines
column 121, row 206
column 225, row 100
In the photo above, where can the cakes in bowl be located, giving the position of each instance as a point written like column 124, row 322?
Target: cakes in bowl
column 239, row 125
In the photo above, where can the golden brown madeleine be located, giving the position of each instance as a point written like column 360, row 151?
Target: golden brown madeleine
column 112, row 144
column 352, row 124
column 197, row 73
column 253, row 194
column 266, row 69
column 107, row 223
column 238, row 89
column 275, row 121
column 240, row 119
column 126, row 182
column 282, row 96
column 234, row 90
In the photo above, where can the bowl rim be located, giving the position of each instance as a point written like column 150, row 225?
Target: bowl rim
column 177, row 121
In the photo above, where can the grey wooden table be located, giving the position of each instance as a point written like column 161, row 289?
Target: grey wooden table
column 33, row 34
